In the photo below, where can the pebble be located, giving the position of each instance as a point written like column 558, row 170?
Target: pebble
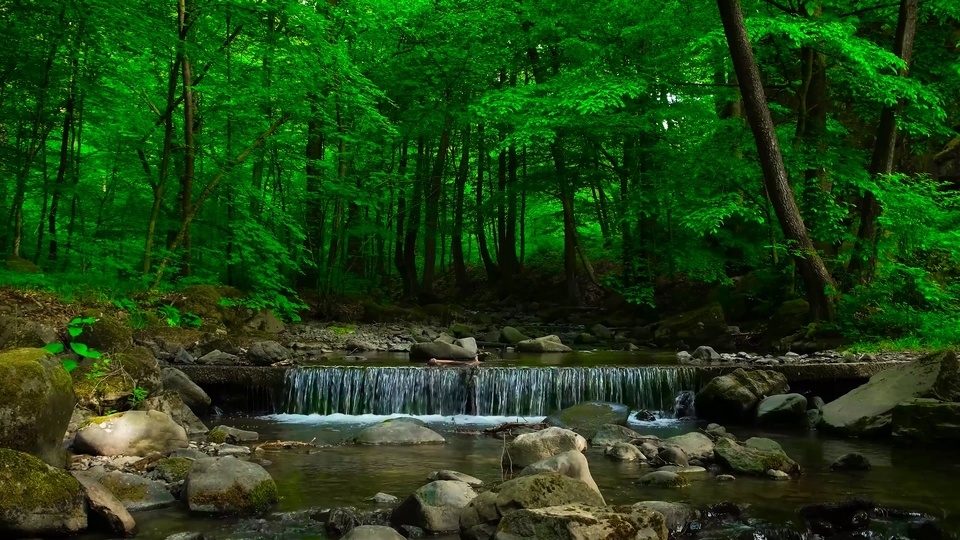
column 233, row 450
column 777, row 475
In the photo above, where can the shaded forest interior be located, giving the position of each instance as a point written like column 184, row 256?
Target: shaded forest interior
column 426, row 151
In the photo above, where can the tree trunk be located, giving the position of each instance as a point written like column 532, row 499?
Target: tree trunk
column 492, row 273
column 456, row 242
column 65, row 163
column 433, row 207
column 411, row 285
column 398, row 258
column 185, row 13
column 819, row 283
column 161, row 186
column 569, row 221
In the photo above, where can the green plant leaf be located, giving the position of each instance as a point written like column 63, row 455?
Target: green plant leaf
column 74, row 331
column 68, row 364
column 79, row 348
column 54, row 348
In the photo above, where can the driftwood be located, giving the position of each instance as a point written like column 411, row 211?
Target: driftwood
column 272, row 445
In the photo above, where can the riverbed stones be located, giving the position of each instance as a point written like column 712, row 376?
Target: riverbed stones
column 926, row 419
column 868, row 409
column 664, row 479
column 623, row 451
column 545, row 344
column 131, row 433
column 695, row 445
column 227, row 434
column 468, row 344
column 732, row 397
column 571, row 463
column 169, row 402
column 217, row 357
column 774, row 474
column 705, row 353
column 136, row 493
column 784, row 409
column 763, row 443
column 36, row 404
column 397, row 432
column 372, row 532
column 543, row 490
column 107, row 507
column 37, row 499
column 581, row 522
column 192, row 395
column 747, row 460
column 676, row 515
column 435, row 507
column 440, row 351
column 530, row 448
column 852, row 461
column 265, row 353
column 672, row 455
column 455, row 476
column 609, row 434
column 584, row 418
column 226, row 485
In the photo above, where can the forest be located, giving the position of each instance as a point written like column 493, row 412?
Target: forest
column 415, row 151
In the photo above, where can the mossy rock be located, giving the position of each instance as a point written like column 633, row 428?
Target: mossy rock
column 36, row 499
column 126, row 371
column 664, row 479
column 168, row 338
column 36, row 403
column 227, row 485
column 21, row 265
column 174, row 469
column 18, row 332
column 205, row 301
column 585, row 418
column 543, row 490
column 754, row 461
column 108, row 334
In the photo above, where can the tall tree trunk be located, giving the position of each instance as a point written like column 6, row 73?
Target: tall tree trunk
column 456, row 246
column 819, row 283
column 411, row 286
column 160, row 187
column 492, row 272
column 314, row 154
column 433, row 207
column 65, row 162
column 864, row 260
column 185, row 14
column 399, row 261
column 566, row 185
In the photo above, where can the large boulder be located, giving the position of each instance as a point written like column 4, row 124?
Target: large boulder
column 695, row 445
column 372, row 532
column 397, row 432
column 265, row 353
column 585, row 418
column 542, row 490
column 435, row 507
column 783, row 409
column 545, row 344
column 571, row 463
column 732, row 397
column 664, row 479
column 126, row 371
column 192, row 395
column 701, row 326
column 169, row 402
column 104, row 504
column 37, row 499
column 676, row 515
column 17, row 332
column 512, row 336
column 868, row 409
column 440, row 351
column 135, row 493
column 530, row 448
column 107, row 334
column 36, row 403
column 580, row 522
column 131, row 433
column 226, row 485
column 609, row 434
column 622, row 451
column 924, row 418
column 754, row 461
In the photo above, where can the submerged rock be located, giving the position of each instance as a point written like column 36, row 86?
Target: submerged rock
column 131, row 433
column 397, row 432
column 581, row 522
column 37, row 499
column 546, row 344
column 571, row 463
column 783, row 409
column 622, row 451
column 227, row 485
column 924, row 418
column 530, row 448
column 435, row 507
column 372, row 532
column 609, row 434
column 743, row 459
column 851, row 462
column 664, row 479
column 585, row 418
column 732, row 397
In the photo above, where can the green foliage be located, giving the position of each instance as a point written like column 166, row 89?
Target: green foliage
column 285, row 308
column 342, row 330
column 138, row 396
column 173, row 317
column 99, row 369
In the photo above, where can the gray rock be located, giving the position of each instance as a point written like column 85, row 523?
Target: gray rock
column 481, row 510
column 233, row 450
column 663, row 479
column 571, row 463
column 372, row 532
column 18, row 332
column 384, row 498
column 182, row 357
column 192, row 395
column 131, row 433
column 777, row 475
column 107, row 506
column 227, row 485
column 732, row 397
column 649, row 449
column 468, row 344
column 530, row 448
column 218, row 358
column 725, row 478
column 673, row 455
column 227, row 434
column 601, row 332
column 584, row 418
column 189, row 453
column 782, row 409
column 695, row 445
column 440, row 351
column 435, row 507
column 763, row 443
column 185, row 536
column 676, row 515
column 456, row 477
column 609, row 434
column 265, row 353
column 541, row 491
column 689, row 470
column 851, row 462
column 743, row 459
column 38, row 500
column 170, row 403
column 265, row 321
column 545, row 344
column 580, row 522
column 512, row 336
column 705, row 353
column 394, row 432
column 622, row 451
column 926, row 419
column 136, row 493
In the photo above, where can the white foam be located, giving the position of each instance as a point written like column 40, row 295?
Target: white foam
column 453, row 420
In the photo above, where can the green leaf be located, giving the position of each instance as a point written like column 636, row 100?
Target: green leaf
column 74, row 331
column 54, row 348
column 69, row 365
column 79, row 348
column 75, row 321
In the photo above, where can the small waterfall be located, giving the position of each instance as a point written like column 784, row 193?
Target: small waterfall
column 485, row 391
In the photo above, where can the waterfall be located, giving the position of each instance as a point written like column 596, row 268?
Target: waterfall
column 485, row 391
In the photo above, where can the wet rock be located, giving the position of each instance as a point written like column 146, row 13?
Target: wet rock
column 36, row 404
column 676, row 515
column 384, row 498
column 227, row 434
column 229, row 486
column 233, row 450
column 543, row 490
column 695, row 445
column 217, row 357
column 664, row 479
column 732, row 397
column 183, row 357
column 782, row 409
column 395, row 432
column 185, row 536
column 172, row 470
column 705, row 354
column 673, row 455
column 926, row 419
column 189, row 453
column 725, row 478
column 468, row 344
column 571, row 463
column 481, row 510
column 650, row 449
column 440, row 351
column 688, row 471
column 37, row 499
column 455, row 476
column 584, row 418
column 192, row 395
column 107, row 507
column 512, row 336
column 601, row 331
column 127, row 371
column 851, row 462
column 136, row 493
column 868, row 409
column 170, row 403
column 774, row 474
column 372, row 532
column 609, row 434
column 831, row 518
column 685, row 404
column 545, row 344
column 131, row 433
column 746, row 460
column 19, row 332
column 580, row 522
column 530, row 448
column 341, row 521
column 622, row 451
column 763, row 443
column 435, row 507
column 265, row 353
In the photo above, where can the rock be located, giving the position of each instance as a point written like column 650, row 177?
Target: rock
column 743, row 459
column 105, row 505
column 650, row 449
column 217, row 357
column 170, row 403
column 136, row 493
column 732, row 397
column 37, row 499
column 676, row 515
column 445, row 338
column 664, row 479
column 265, row 353
column 774, row 474
column 173, row 469
column 673, row 455
column 108, row 334
column 134, row 368
column 131, row 433
column 189, row 453
column 468, row 344
column 461, row 331
column 609, row 434
column 372, row 532
column 440, row 351
column 868, row 409
column 341, row 520
column 384, row 498
column 192, row 395
column 512, row 336
column 571, row 463
column 580, row 522
column 725, row 478
column 706, row 354
column 688, row 470
column 394, row 432
column 584, row 418
column 622, row 451
column 601, row 332
column 36, row 404
column 695, row 445
column 455, row 476
column 545, row 344
column 183, row 357
column 851, row 462
column 435, row 507
column 226, row 485
column 703, row 325
column 227, row 434
column 763, row 443
column 481, row 510
column 685, row 404
column 530, row 448
column 233, row 450
column 543, row 490
column 185, row 536
column 265, row 321
column 926, row 419
column 18, row 332
column 782, row 409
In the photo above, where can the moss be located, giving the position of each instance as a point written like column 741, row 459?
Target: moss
column 100, row 419
column 108, row 334
column 217, row 435
column 753, row 461
column 31, row 486
column 237, row 500
column 174, row 469
column 124, row 491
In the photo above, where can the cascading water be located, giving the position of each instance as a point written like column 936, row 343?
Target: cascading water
column 485, row 391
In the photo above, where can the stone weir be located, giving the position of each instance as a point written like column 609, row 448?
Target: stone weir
column 486, row 391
